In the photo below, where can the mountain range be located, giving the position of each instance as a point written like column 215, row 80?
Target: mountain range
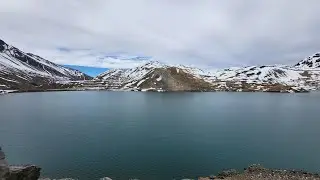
column 28, row 72
column 155, row 76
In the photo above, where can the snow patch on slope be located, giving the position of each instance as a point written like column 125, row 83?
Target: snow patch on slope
column 159, row 78
column 311, row 62
column 27, row 66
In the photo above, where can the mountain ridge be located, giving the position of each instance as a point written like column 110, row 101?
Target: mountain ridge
column 29, row 72
column 309, row 62
column 20, row 70
column 271, row 78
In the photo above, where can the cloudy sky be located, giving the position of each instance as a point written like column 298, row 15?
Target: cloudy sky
column 126, row 33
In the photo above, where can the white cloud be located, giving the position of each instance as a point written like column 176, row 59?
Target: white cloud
column 217, row 33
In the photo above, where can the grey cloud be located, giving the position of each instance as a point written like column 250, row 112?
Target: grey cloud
column 218, row 33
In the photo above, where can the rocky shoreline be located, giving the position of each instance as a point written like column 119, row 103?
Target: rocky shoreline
column 253, row 172
column 258, row 172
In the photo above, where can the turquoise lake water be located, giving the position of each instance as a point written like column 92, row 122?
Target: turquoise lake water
column 122, row 135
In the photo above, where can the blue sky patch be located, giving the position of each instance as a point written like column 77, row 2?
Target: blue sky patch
column 91, row 71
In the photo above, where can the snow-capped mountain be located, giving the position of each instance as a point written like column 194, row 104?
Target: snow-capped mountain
column 269, row 74
column 26, row 71
column 128, row 75
column 19, row 69
column 311, row 62
column 162, row 77
column 156, row 76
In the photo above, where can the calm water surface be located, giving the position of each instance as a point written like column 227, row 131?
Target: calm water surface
column 123, row 135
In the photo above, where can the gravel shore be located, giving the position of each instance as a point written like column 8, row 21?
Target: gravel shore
column 257, row 172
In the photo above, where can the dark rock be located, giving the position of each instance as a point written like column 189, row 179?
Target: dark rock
column 255, row 168
column 2, row 42
column 250, row 74
column 23, row 172
column 227, row 173
column 4, row 172
column 316, row 55
column 27, row 172
column 2, row 156
column 2, row 45
column 4, row 168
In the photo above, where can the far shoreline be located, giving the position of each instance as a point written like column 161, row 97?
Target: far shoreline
column 152, row 91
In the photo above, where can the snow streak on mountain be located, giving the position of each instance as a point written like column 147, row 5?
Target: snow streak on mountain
column 156, row 76
column 25, row 70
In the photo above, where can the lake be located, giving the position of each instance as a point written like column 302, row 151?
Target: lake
column 122, row 135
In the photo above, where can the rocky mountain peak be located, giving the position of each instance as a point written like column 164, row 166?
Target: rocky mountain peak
column 20, row 70
column 2, row 45
column 309, row 62
column 2, row 42
column 154, row 64
column 157, row 76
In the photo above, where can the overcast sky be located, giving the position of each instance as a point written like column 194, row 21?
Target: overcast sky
column 204, row 33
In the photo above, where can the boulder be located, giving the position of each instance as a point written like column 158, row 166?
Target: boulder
column 4, row 167
column 4, row 172
column 227, row 173
column 23, row 172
